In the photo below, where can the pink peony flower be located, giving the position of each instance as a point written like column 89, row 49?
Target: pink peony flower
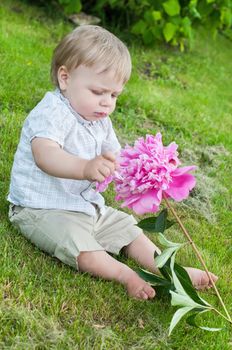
column 147, row 172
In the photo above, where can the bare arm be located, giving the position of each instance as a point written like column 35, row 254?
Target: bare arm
column 54, row 161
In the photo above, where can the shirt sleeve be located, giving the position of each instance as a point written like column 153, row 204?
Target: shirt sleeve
column 49, row 119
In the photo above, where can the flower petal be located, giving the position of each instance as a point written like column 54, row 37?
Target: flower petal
column 181, row 186
column 183, row 170
column 102, row 186
column 147, row 203
column 139, row 209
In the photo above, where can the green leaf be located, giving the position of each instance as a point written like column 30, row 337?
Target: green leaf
column 169, row 31
column 163, row 292
column 166, row 272
column 71, row 6
column 205, row 9
column 193, row 9
column 177, row 317
column 148, row 224
column 166, row 243
column 172, row 7
column 148, row 37
column 210, row 329
column 161, row 259
column 186, row 283
column 157, row 15
column 195, row 13
column 191, row 321
column 182, row 274
column 162, row 285
column 172, row 247
column 148, row 17
column 176, row 282
column 113, row 2
column 157, row 33
column 181, row 44
column 179, row 299
column 226, row 16
column 139, row 27
column 180, row 291
column 187, row 27
column 156, row 224
column 161, row 221
column 153, row 279
column 169, row 223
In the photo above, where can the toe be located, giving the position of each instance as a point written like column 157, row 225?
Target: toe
column 138, row 288
column 149, row 291
column 146, row 292
column 205, row 282
column 142, row 295
column 214, row 277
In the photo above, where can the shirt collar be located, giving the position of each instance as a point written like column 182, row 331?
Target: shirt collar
column 80, row 119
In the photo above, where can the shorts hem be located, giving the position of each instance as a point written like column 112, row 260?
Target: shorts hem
column 115, row 249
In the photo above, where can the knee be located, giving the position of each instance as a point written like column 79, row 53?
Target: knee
column 86, row 260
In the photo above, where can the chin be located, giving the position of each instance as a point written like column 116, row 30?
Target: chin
column 96, row 118
column 92, row 119
column 89, row 119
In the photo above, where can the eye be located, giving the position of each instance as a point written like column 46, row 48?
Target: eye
column 96, row 92
column 115, row 95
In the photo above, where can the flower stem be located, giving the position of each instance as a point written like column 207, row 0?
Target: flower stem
column 198, row 255
column 219, row 313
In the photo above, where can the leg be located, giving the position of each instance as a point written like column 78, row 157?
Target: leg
column 101, row 264
column 142, row 249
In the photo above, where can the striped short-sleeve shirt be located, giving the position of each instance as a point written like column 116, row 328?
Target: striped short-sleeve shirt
column 55, row 119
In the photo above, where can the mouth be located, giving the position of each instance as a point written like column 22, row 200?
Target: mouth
column 100, row 114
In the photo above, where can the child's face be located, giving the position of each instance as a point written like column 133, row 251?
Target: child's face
column 91, row 92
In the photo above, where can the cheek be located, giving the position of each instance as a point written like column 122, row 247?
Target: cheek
column 89, row 103
column 91, row 100
column 113, row 105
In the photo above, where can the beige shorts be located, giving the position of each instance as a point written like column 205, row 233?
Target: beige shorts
column 64, row 234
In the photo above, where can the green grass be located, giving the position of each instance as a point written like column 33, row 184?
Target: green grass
column 46, row 305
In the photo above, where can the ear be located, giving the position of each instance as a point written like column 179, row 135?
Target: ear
column 62, row 76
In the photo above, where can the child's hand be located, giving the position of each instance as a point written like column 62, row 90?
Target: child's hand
column 99, row 168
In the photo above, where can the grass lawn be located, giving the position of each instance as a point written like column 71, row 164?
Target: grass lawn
column 188, row 97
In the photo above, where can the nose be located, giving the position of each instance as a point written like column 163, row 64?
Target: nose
column 106, row 100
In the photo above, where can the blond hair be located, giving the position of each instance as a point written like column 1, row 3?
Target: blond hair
column 89, row 45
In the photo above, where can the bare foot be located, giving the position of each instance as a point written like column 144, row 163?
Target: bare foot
column 200, row 279
column 136, row 286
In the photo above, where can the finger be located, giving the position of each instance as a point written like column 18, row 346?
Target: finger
column 109, row 165
column 109, row 156
column 117, row 166
column 99, row 177
column 105, row 171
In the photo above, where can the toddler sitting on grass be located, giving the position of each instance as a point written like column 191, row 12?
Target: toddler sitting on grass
column 62, row 153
